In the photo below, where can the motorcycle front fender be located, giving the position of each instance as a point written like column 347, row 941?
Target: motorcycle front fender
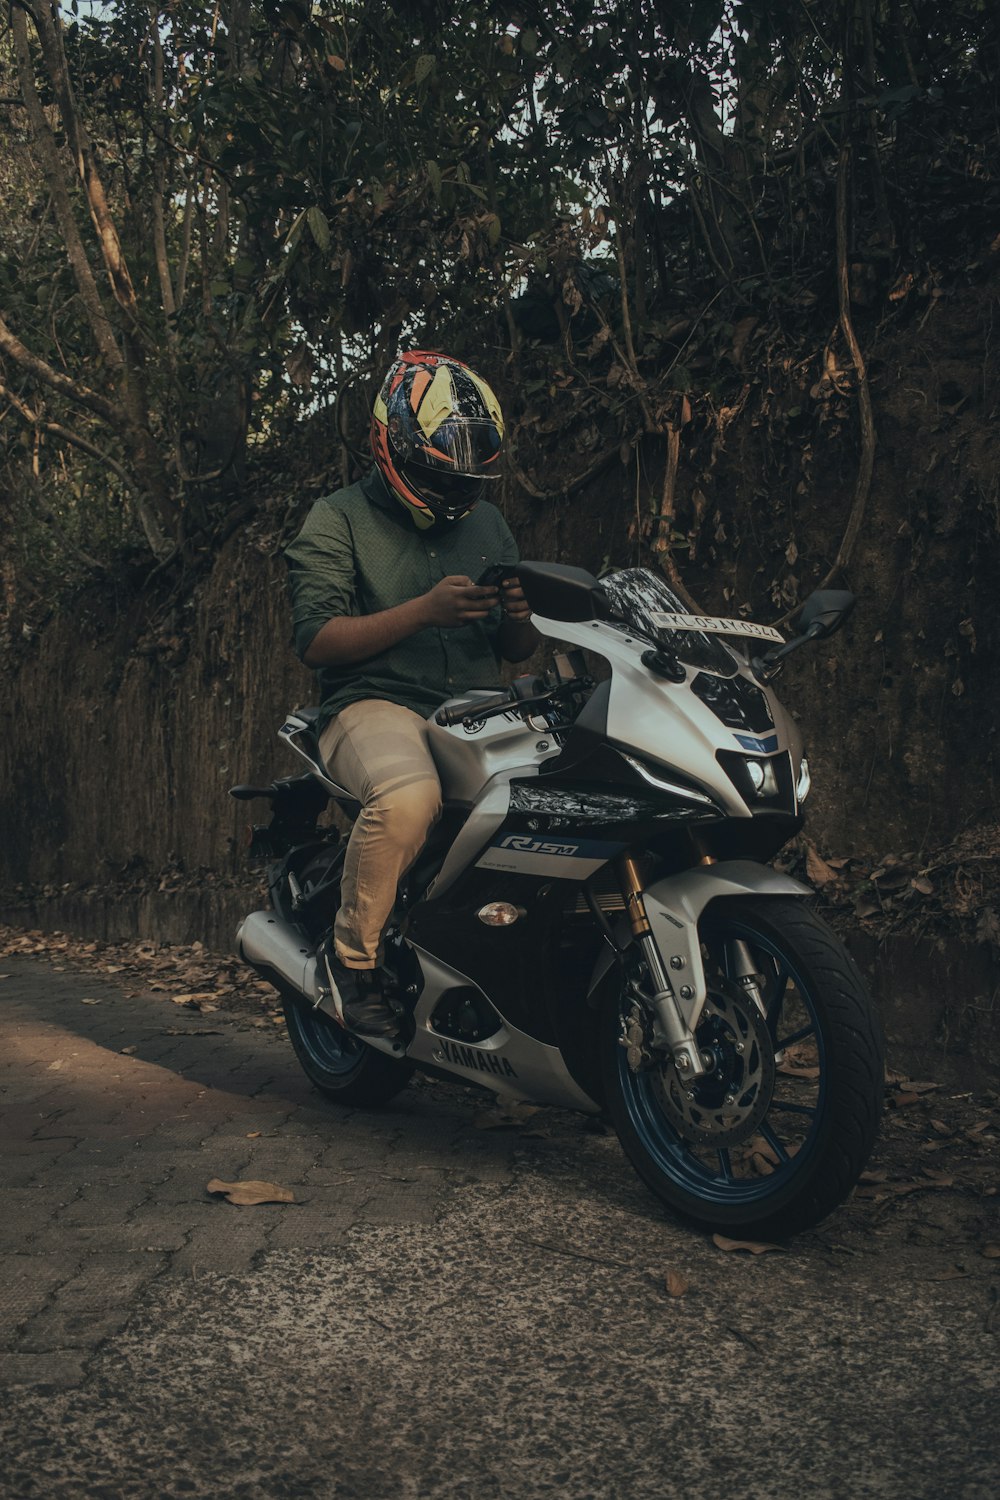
column 675, row 906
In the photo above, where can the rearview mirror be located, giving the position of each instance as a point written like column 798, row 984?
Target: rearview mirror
column 559, row 592
column 824, row 612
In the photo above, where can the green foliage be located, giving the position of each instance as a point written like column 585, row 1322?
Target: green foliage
column 593, row 199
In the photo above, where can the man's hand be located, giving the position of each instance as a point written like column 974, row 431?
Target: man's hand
column 515, row 606
column 456, row 600
column 518, row 638
column 453, row 602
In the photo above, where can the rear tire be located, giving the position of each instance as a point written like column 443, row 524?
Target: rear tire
column 777, row 1137
column 340, row 1065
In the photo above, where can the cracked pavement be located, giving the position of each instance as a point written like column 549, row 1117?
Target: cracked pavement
column 445, row 1310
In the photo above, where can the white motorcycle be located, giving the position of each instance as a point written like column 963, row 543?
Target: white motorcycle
column 593, row 923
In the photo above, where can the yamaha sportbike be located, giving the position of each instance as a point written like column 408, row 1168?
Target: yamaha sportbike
column 593, row 923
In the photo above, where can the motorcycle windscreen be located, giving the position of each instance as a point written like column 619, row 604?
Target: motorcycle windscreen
column 637, row 595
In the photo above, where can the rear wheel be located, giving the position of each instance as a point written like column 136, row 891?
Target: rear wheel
column 338, row 1064
column 778, row 1134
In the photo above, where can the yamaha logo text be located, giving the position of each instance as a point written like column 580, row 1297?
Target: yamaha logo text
column 479, row 1062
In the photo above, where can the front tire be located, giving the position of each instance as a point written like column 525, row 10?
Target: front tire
column 340, row 1065
column 775, row 1138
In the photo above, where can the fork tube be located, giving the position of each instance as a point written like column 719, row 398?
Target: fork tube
column 683, row 1047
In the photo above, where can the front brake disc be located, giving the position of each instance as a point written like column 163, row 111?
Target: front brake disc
column 725, row 1106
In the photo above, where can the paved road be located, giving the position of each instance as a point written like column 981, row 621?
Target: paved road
column 445, row 1310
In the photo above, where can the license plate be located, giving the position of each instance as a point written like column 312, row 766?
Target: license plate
column 712, row 626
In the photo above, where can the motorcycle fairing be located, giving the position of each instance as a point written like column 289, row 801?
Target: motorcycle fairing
column 508, row 965
column 513, row 1063
column 633, row 712
column 675, row 905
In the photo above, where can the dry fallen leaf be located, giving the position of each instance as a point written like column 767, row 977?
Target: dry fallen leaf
column 252, row 1135
column 818, row 872
column 991, row 1250
column 128, row 1051
column 789, row 1070
column 245, row 1194
column 89, row 1001
column 755, row 1247
column 676, row 1284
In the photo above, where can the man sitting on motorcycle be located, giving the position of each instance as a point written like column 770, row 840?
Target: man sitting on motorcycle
column 385, row 608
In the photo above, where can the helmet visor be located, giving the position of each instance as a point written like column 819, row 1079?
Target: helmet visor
column 459, row 447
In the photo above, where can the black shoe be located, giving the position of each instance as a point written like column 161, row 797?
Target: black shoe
column 357, row 997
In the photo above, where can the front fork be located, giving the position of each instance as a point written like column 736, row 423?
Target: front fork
column 688, row 1058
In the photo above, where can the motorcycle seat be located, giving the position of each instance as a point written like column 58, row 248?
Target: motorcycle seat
column 309, row 715
column 310, row 746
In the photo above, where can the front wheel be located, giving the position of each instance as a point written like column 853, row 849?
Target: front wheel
column 341, row 1065
column 771, row 1140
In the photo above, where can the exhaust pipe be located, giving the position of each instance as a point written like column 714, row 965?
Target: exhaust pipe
column 278, row 952
column 281, row 955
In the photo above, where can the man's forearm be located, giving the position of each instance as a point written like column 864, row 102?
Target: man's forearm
column 353, row 638
column 517, row 639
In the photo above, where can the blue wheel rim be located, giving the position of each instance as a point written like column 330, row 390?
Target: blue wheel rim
column 328, row 1047
column 691, row 1168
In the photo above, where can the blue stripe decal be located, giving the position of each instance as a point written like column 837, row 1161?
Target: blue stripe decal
column 762, row 747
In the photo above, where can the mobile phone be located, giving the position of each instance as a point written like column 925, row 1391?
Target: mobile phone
column 496, row 574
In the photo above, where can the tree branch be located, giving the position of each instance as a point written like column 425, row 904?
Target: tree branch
column 867, row 461
column 147, row 521
column 159, row 227
column 49, row 27
column 54, row 177
column 44, row 513
column 11, row 345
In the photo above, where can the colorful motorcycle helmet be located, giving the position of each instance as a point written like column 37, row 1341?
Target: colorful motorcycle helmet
column 437, row 430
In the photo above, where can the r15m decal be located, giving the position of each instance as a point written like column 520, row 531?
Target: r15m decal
column 521, row 854
column 528, row 845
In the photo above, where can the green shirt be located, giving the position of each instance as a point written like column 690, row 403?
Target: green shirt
column 358, row 554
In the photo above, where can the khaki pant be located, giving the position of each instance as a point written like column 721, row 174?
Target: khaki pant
column 379, row 752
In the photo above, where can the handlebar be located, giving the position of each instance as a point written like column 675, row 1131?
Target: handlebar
column 488, row 706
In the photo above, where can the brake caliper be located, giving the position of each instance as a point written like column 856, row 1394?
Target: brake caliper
column 635, row 1039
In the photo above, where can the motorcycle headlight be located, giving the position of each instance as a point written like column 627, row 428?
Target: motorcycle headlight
column 762, row 777
column 804, row 782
